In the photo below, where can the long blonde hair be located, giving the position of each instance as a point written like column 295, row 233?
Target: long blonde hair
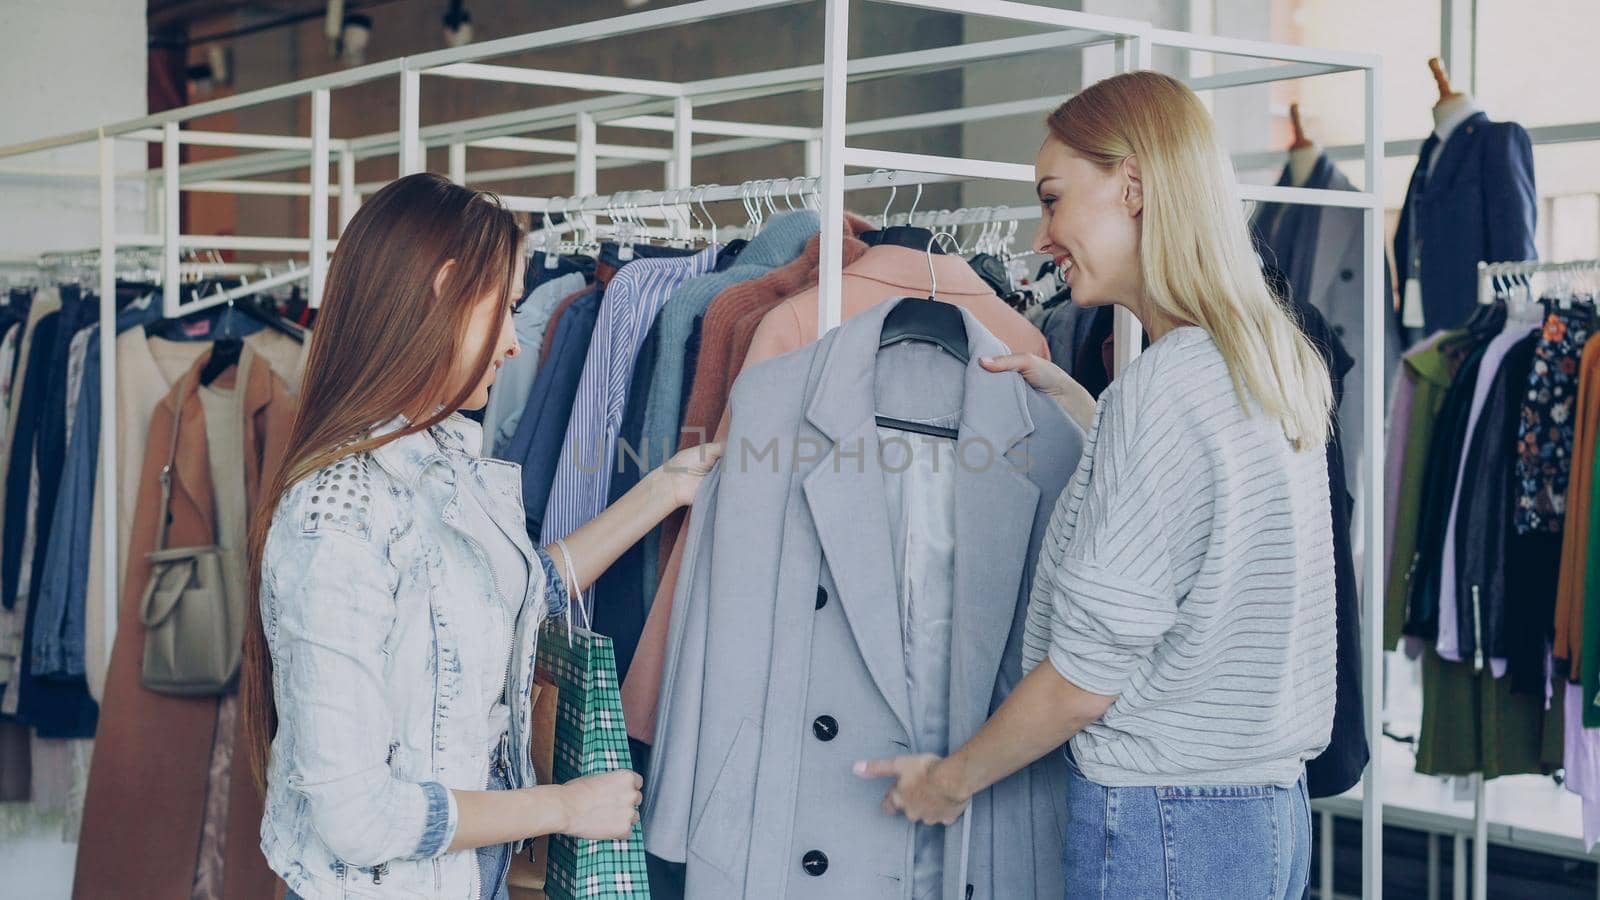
column 1196, row 255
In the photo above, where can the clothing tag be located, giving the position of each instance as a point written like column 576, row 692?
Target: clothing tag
column 1411, row 306
column 198, row 328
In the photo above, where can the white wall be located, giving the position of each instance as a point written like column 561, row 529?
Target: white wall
column 66, row 65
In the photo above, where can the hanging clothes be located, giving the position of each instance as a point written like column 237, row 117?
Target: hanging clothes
column 727, row 329
column 1589, row 671
column 15, row 516
column 1486, row 544
column 1473, row 722
column 632, row 299
column 1581, row 763
column 780, row 242
column 509, row 396
column 53, row 709
column 548, row 347
column 1544, row 438
column 1568, row 648
column 1397, row 428
column 1494, row 355
column 1339, row 767
column 788, row 660
column 537, row 442
column 1057, row 319
column 1445, row 450
column 734, row 319
column 677, row 332
column 1430, row 370
column 59, row 647
column 1321, row 254
column 154, row 752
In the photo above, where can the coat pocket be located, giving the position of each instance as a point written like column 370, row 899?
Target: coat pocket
column 721, row 837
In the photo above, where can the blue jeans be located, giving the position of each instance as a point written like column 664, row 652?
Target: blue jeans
column 1238, row 842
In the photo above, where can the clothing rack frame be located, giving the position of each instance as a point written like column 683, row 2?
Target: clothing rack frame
column 628, row 103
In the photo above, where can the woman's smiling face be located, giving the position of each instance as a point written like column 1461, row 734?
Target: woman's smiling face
column 1089, row 223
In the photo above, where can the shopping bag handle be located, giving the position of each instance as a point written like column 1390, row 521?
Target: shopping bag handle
column 574, row 596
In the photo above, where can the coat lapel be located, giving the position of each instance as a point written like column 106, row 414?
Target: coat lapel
column 1454, row 154
column 995, row 508
column 848, row 504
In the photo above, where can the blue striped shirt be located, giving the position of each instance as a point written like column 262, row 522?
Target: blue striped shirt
column 632, row 300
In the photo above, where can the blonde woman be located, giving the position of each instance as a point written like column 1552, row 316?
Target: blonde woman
column 1181, row 630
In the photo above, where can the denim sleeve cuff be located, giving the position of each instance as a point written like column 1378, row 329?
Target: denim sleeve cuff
column 555, row 587
column 439, row 823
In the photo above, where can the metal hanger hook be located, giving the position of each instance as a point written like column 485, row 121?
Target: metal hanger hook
column 933, row 279
column 892, row 192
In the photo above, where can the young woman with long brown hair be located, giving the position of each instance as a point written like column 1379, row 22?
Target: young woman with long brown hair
column 397, row 598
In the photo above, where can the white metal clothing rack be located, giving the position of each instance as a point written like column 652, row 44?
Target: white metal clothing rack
column 676, row 108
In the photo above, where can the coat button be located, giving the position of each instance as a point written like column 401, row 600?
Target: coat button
column 826, row 728
column 822, row 597
column 1346, row 274
column 815, row 862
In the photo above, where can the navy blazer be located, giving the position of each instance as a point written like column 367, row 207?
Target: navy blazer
column 1478, row 204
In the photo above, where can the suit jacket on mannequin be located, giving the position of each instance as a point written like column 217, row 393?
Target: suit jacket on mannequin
column 1477, row 202
column 786, row 660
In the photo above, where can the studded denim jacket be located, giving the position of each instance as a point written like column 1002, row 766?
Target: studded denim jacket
column 387, row 629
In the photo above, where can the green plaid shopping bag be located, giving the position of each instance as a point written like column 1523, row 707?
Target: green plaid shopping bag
column 590, row 739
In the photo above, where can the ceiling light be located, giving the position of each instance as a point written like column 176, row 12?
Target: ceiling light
column 353, row 39
column 200, row 79
column 457, row 25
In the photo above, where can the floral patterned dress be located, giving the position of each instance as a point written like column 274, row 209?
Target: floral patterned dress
column 1544, row 437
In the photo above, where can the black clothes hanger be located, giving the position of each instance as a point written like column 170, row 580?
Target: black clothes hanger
column 931, row 321
column 254, row 310
column 729, row 254
column 1488, row 319
column 903, row 236
column 224, row 356
column 992, row 269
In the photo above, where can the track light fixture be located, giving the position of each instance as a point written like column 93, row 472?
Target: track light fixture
column 457, row 25
column 353, row 39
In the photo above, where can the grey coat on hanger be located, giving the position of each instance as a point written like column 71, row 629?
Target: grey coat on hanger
column 786, row 659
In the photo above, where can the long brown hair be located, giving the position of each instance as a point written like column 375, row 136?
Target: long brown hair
column 385, row 341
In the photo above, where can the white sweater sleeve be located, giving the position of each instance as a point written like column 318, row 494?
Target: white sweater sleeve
column 1112, row 585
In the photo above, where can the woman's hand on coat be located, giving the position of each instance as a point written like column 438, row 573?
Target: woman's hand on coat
column 1049, row 379
column 918, row 792
column 682, row 474
column 602, row 807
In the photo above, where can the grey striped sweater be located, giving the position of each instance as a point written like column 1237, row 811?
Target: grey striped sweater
column 1188, row 571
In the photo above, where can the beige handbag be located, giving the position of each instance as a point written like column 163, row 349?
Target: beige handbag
column 193, row 605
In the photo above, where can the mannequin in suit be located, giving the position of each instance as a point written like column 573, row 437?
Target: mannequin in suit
column 1472, row 198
